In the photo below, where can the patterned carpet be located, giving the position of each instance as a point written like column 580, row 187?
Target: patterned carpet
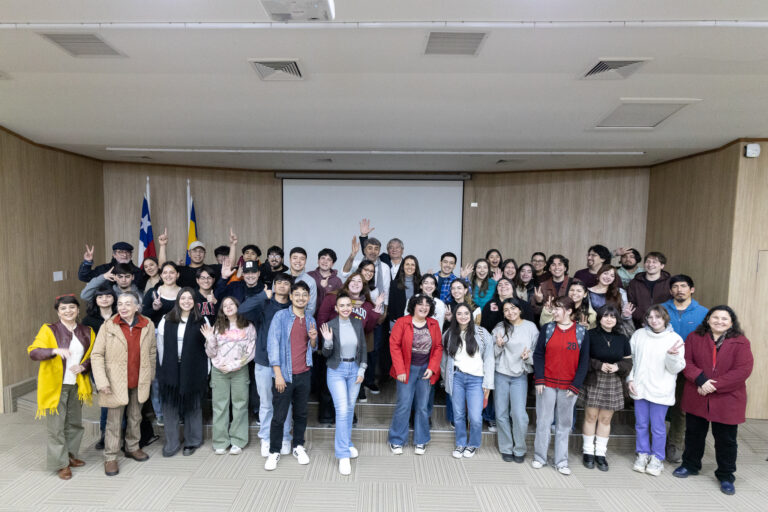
column 379, row 480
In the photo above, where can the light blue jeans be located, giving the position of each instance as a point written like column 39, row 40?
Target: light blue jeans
column 344, row 390
column 263, row 377
column 510, row 395
column 467, row 399
column 415, row 391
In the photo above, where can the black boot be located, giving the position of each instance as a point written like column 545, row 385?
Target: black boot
column 589, row 461
column 602, row 464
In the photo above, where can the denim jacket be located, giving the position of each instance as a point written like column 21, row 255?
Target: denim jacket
column 279, row 342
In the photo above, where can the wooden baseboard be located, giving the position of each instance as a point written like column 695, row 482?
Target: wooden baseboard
column 12, row 392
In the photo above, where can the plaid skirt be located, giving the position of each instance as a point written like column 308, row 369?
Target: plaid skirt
column 605, row 392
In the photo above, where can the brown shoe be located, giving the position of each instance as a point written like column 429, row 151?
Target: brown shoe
column 138, row 455
column 110, row 468
column 74, row 462
column 65, row 473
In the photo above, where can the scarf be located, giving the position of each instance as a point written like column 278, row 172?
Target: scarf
column 183, row 382
column 50, row 377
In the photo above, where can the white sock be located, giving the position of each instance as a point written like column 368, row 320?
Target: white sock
column 589, row 444
column 601, row 446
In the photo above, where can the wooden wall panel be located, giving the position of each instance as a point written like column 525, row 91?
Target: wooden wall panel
column 555, row 212
column 690, row 219
column 748, row 286
column 51, row 203
column 248, row 201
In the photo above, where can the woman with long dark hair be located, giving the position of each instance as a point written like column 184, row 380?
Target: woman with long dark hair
column 403, row 287
column 182, row 370
column 483, row 283
column 718, row 361
column 493, row 257
column 230, row 344
column 63, row 349
column 610, row 361
column 514, row 343
column 460, row 294
column 582, row 310
column 607, row 291
column 467, row 368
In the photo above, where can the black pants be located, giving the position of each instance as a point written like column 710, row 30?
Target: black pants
column 253, row 393
column 296, row 393
column 326, row 412
column 696, row 429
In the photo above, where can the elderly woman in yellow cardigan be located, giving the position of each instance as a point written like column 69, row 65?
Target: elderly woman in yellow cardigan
column 64, row 351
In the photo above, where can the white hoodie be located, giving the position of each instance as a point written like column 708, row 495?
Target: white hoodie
column 654, row 371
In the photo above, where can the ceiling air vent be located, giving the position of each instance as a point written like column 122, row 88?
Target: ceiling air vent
column 614, row 69
column 643, row 113
column 454, row 43
column 82, row 45
column 277, row 69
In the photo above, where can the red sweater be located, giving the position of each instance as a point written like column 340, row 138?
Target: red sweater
column 133, row 339
column 401, row 345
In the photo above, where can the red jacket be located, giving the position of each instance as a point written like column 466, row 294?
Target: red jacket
column 401, row 343
column 729, row 367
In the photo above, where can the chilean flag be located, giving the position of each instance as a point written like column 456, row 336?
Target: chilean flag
column 146, row 239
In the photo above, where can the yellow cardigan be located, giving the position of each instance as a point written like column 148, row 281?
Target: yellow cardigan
column 51, row 375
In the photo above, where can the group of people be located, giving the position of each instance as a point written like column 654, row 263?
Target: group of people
column 263, row 336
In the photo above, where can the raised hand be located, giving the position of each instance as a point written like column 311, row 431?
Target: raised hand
column 497, row 274
column 550, row 305
column 355, row 245
column 162, row 238
column 108, row 275
column 326, row 331
column 268, row 293
column 232, row 237
column 365, row 227
column 207, row 331
column 628, row 310
column 466, row 270
column 538, row 295
column 312, row 332
column 211, row 298
column 226, row 269
column 88, row 256
column 156, row 302
column 675, row 349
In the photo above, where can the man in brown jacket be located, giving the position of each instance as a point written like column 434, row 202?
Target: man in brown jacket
column 123, row 365
column 649, row 287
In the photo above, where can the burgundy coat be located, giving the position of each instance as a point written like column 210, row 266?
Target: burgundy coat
column 729, row 367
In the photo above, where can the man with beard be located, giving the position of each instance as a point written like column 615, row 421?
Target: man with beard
column 629, row 261
column 685, row 315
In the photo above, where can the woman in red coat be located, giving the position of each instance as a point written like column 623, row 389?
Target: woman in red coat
column 417, row 351
column 718, row 361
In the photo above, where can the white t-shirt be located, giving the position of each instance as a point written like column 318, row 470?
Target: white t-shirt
column 76, row 352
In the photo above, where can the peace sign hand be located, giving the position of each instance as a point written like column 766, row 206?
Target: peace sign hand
column 88, row 256
column 675, row 349
column 108, row 275
column 156, row 302
column 538, row 295
column 499, row 341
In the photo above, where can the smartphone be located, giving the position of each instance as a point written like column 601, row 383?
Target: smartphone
column 206, row 321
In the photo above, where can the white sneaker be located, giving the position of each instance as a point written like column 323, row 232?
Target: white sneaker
column 470, row 451
column 535, row 464
column 265, row 447
column 301, row 454
column 285, row 449
column 654, row 467
column 564, row 470
column 353, row 453
column 458, row 452
column 235, row 450
column 396, row 449
column 344, row 467
column 419, row 449
column 641, row 462
column 220, row 451
column 271, row 463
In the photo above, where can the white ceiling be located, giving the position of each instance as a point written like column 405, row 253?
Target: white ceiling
column 373, row 89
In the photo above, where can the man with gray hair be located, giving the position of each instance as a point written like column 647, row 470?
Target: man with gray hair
column 123, row 365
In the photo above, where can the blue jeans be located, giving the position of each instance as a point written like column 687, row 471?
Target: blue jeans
column 448, row 408
column 415, row 391
column 489, row 412
column 263, row 377
column 510, row 395
column 467, row 399
column 344, row 390
column 157, row 404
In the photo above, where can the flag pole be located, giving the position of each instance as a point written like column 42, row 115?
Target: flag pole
column 149, row 204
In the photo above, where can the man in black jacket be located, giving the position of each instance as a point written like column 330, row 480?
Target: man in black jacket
column 122, row 252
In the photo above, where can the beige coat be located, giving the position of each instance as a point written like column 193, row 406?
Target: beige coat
column 109, row 363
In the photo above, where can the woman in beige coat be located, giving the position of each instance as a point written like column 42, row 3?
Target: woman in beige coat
column 123, row 365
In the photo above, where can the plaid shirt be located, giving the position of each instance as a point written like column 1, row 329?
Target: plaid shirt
column 445, row 286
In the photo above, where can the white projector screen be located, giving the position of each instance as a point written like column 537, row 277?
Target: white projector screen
column 425, row 215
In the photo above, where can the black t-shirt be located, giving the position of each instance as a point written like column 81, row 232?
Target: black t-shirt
column 558, row 285
column 608, row 347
